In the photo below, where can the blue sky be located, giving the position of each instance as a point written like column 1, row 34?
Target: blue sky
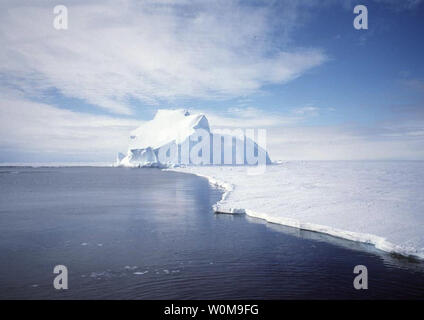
column 321, row 88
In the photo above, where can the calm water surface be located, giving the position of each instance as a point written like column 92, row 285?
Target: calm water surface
column 148, row 234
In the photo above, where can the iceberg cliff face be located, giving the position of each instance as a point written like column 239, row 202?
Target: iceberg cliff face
column 177, row 137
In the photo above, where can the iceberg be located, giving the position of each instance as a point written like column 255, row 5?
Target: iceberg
column 177, row 137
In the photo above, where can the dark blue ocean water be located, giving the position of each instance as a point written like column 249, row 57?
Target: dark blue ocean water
column 148, row 234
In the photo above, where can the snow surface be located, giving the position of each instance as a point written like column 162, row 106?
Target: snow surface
column 380, row 203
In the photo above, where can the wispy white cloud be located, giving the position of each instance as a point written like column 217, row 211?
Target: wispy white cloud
column 41, row 129
column 249, row 117
column 118, row 51
column 384, row 141
column 252, row 117
column 307, row 110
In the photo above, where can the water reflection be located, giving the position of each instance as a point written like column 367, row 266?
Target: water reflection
column 389, row 259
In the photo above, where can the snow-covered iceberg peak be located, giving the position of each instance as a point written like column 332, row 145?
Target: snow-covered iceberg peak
column 176, row 137
column 167, row 126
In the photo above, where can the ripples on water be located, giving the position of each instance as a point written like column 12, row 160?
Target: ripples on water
column 147, row 234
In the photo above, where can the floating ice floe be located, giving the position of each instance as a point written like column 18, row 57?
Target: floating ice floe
column 379, row 203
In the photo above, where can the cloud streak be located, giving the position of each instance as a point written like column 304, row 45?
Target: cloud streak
column 39, row 130
column 115, row 52
column 384, row 141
